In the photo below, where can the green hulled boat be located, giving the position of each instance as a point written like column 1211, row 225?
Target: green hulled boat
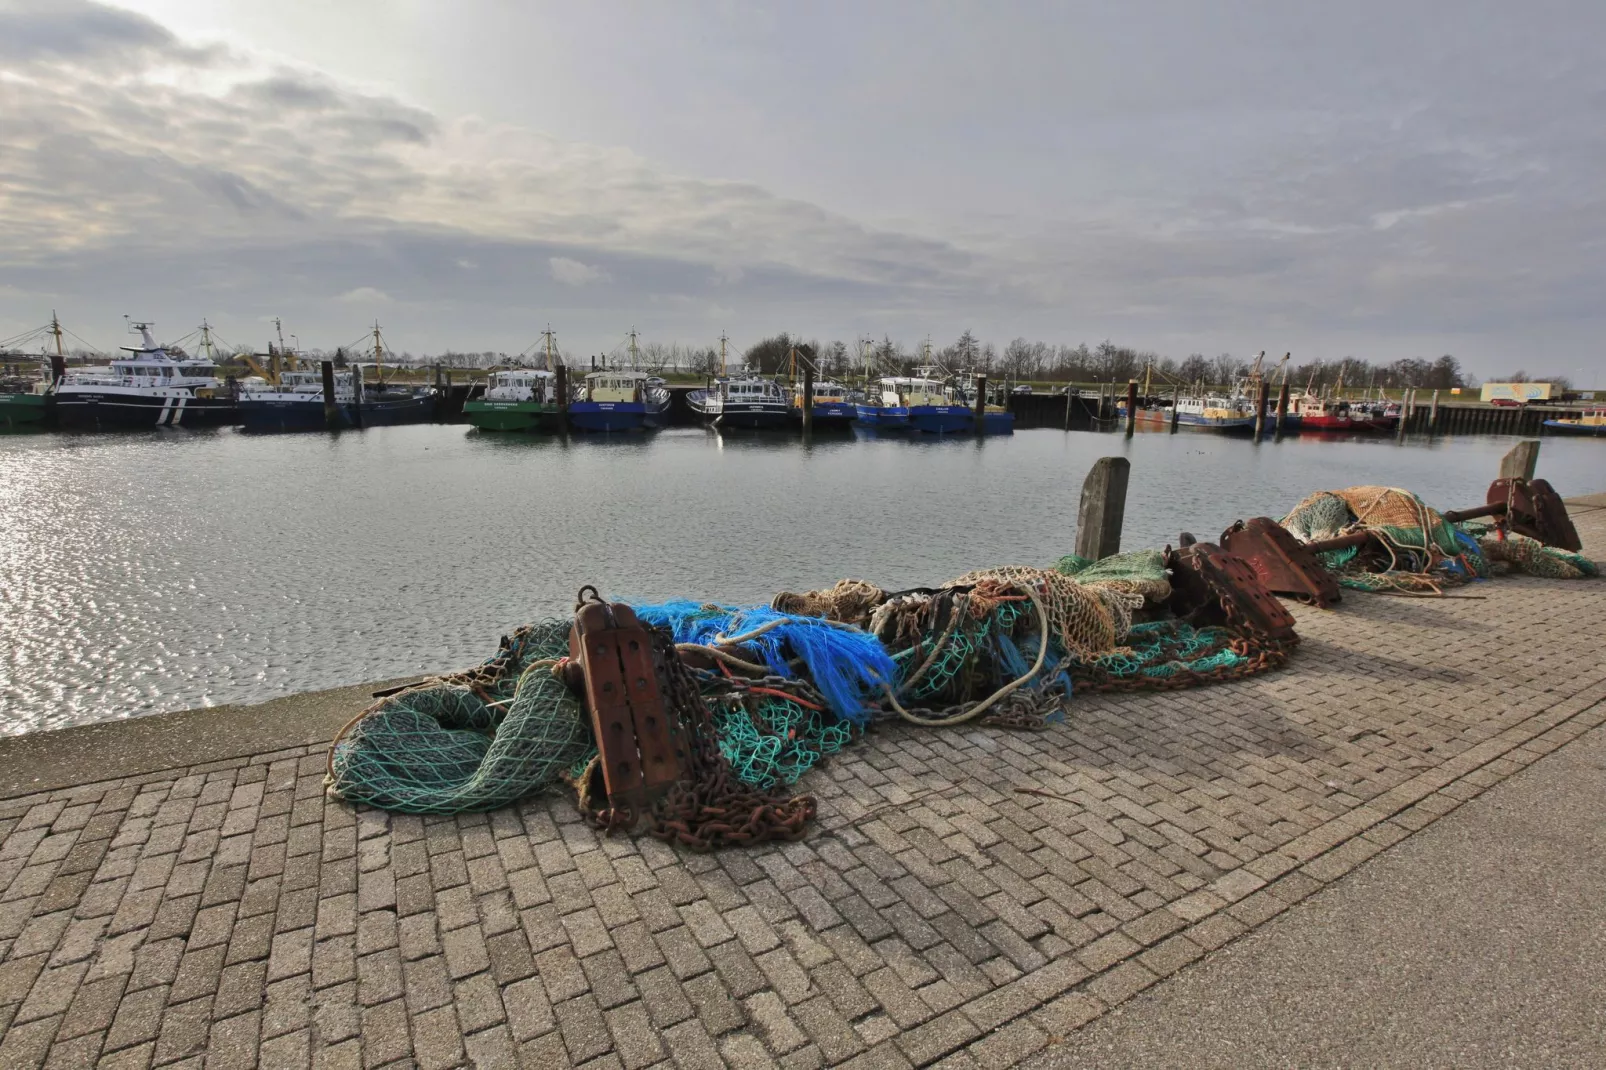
column 519, row 399
column 21, row 410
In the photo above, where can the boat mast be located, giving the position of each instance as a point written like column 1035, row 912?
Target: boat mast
column 633, row 365
column 379, row 356
column 55, row 329
column 547, row 334
column 722, row 341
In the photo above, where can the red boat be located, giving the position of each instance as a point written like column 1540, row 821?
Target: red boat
column 1320, row 414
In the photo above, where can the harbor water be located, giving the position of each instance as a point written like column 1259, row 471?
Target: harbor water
column 165, row 570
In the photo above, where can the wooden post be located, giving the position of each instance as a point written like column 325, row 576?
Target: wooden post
column 808, row 398
column 1131, row 407
column 356, row 395
column 1282, row 407
column 980, row 407
column 331, row 408
column 1260, row 409
column 1521, row 460
column 562, row 388
column 1103, row 506
column 1067, row 406
column 1176, row 396
column 1433, row 414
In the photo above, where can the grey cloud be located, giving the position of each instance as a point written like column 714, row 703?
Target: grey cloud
column 77, row 31
column 1357, row 186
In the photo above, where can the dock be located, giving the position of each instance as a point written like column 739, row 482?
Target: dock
column 968, row 897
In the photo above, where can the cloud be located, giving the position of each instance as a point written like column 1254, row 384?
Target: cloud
column 573, row 273
column 1360, row 204
column 364, row 295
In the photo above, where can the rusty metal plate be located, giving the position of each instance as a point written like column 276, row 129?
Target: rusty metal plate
column 622, row 689
column 1533, row 508
column 1213, row 586
column 1283, row 564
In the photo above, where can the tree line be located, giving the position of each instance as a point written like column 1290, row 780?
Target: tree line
column 1020, row 360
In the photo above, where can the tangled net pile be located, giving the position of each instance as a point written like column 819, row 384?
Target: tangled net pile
column 1426, row 553
column 762, row 694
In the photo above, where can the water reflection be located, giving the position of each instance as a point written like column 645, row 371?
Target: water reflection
column 170, row 569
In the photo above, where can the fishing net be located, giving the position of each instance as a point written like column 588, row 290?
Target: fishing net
column 471, row 741
column 1509, row 551
column 1421, row 552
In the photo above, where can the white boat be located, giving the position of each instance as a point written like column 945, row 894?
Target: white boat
column 150, row 388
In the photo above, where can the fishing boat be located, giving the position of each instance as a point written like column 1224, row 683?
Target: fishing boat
column 1216, row 412
column 25, row 403
column 150, row 388
column 1198, row 412
column 293, row 400
column 619, row 399
column 833, row 407
column 518, row 399
column 28, row 384
column 883, row 406
column 748, row 401
column 1379, row 415
column 1323, row 414
column 1580, row 422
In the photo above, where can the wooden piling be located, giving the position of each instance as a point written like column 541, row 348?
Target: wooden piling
column 356, row 395
column 1521, row 460
column 1282, row 408
column 331, row 408
column 1103, row 506
column 561, row 386
column 1131, row 406
column 1176, row 396
column 979, row 409
column 1068, row 400
column 1260, row 409
column 1433, row 414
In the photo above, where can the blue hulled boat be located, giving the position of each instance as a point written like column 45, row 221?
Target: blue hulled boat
column 619, row 401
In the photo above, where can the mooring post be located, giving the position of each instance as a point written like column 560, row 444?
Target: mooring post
column 356, row 395
column 562, row 387
column 1131, row 406
column 1260, row 409
column 1098, row 518
column 1433, row 413
column 1521, row 460
column 1282, row 408
column 331, row 410
column 808, row 398
column 1067, row 406
column 1405, row 414
column 979, row 409
column 1176, row 396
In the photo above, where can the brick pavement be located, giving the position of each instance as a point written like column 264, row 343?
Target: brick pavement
column 967, row 897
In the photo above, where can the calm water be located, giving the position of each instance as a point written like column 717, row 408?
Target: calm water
column 157, row 572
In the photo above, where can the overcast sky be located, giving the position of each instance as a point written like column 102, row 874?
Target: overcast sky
column 1370, row 179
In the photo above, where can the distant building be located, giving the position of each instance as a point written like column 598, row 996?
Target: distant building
column 1516, row 391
